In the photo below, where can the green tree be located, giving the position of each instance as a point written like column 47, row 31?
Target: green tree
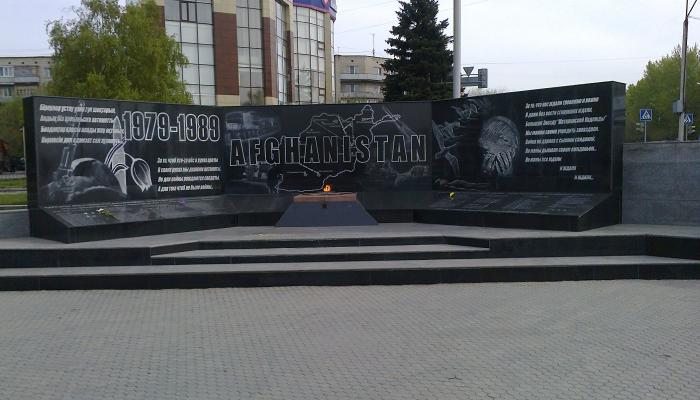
column 658, row 89
column 11, row 123
column 421, row 63
column 115, row 52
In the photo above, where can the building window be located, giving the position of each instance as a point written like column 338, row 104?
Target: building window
column 250, row 52
column 281, row 29
column 353, row 69
column 190, row 24
column 310, row 62
column 332, row 71
column 351, row 88
column 7, row 72
column 5, row 91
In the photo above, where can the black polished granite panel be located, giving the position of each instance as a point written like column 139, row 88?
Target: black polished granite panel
column 333, row 213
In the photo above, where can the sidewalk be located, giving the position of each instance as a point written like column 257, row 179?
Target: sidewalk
column 564, row 340
column 12, row 175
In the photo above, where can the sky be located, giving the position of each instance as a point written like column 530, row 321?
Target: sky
column 525, row 44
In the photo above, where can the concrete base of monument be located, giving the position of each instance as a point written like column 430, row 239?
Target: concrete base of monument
column 384, row 254
column 326, row 209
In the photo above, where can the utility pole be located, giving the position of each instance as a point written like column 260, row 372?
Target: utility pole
column 456, row 57
column 684, row 51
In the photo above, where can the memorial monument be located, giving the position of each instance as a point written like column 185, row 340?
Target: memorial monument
column 547, row 159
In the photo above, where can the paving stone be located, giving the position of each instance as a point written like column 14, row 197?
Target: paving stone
column 564, row 340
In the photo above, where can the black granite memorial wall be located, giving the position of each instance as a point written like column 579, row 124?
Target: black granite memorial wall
column 548, row 158
column 102, row 168
column 551, row 140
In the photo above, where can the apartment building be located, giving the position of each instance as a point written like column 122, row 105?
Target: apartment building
column 359, row 78
column 23, row 76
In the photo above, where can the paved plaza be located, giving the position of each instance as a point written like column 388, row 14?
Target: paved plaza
column 565, row 340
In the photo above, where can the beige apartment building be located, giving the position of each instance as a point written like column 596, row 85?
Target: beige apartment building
column 23, row 76
column 359, row 78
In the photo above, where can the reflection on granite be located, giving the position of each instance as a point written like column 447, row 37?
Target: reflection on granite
column 167, row 209
column 539, row 203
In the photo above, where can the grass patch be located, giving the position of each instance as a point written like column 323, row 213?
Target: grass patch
column 19, row 183
column 13, row 199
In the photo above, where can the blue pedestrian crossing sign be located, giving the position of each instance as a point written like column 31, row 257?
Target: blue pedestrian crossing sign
column 646, row 115
column 689, row 119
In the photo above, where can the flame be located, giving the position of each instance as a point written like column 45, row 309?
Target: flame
column 327, row 188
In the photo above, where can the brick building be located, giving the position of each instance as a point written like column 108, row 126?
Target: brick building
column 254, row 52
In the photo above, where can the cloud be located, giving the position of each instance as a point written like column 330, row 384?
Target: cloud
column 541, row 43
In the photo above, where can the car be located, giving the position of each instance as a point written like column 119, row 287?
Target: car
column 17, row 164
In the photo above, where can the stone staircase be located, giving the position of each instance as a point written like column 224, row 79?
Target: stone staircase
column 321, row 260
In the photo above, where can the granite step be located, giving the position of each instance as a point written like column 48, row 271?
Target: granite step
column 320, row 254
column 343, row 273
column 266, row 243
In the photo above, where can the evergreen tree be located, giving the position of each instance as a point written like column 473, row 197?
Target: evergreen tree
column 115, row 52
column 421, row 63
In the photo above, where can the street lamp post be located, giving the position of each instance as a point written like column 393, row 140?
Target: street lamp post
column 456, row 56
column 684, row 51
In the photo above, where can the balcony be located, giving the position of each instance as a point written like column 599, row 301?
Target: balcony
column 11, row 80
column 27, row 79
column 362, row 77
column 360, row 96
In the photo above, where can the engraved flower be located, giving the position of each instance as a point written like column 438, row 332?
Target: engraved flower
column 141, row 174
